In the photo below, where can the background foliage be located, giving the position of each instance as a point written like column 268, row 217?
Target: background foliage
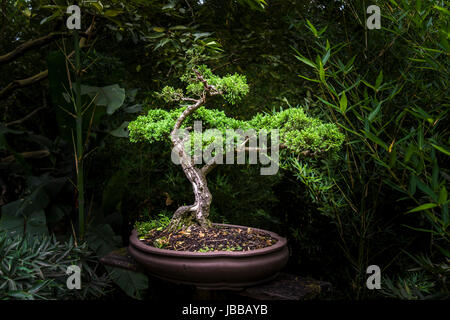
column 383, row 199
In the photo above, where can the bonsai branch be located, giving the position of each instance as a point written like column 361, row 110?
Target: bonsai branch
column 208, row 166
column 209, row 88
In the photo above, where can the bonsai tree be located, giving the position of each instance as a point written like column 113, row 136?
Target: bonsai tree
column 299, row 134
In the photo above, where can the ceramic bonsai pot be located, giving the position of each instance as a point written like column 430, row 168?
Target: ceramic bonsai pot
column 231, row 270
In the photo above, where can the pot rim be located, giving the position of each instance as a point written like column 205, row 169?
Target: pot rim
column 281, row 242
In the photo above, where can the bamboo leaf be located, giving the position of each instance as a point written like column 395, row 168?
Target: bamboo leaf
column 321, row 72
column 442, row 195
column 369, row 85
column 328, row 103
column 441, row 149
column 442, row 9
column 420, row 138
column 309, row 79
column 375, row 139
column 423, row 207
column 306, row 61
column 379, row 80
column 343, row 103
column 375, row 112
column 426, row 189
column 326, row 57
column 312, row 28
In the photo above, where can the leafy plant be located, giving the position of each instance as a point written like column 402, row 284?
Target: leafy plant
column 144, row 227
column 34, row 267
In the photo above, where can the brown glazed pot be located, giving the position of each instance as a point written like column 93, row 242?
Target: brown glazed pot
column 212, row 270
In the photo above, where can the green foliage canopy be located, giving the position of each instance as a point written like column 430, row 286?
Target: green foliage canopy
column 298, row 131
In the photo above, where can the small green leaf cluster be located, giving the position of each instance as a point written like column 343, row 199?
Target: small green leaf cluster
column 300, row 132
column 155, row 126
column 217, row 119
column 170, row 94
column 205, row 249
column 161, row 242
column 233, row 87
column 159, row 223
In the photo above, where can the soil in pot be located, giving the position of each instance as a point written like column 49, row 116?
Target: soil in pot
column 213, row 239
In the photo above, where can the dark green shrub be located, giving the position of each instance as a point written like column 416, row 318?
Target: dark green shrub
column 35, row 268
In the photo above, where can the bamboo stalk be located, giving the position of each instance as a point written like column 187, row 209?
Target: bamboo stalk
column 79, row 136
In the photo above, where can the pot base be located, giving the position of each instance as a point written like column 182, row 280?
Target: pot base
column 212, row 270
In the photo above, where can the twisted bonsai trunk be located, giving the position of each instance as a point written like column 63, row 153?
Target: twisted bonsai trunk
column 198, row 212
